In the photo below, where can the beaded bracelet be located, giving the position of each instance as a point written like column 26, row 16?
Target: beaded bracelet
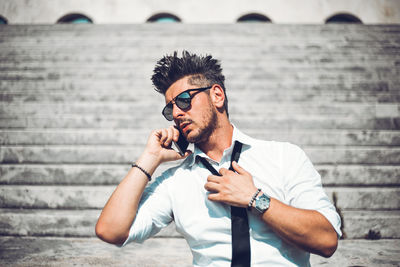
column 253, row 198
column 143, row 170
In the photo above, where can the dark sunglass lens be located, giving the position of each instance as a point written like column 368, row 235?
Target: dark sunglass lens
column 183, row 103
column 183, row 100
column 167, row 112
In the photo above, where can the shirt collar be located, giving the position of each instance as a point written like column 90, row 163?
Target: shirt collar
column 236, row 136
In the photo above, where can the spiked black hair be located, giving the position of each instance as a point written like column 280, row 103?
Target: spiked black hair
column 202, row 71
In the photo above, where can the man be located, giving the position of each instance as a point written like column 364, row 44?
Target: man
column 289, row 214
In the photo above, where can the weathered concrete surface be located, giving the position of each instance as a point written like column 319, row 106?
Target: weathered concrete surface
column 31, row 251
column 75, row 104
column 112, row 174
column 124, row 154
column 70, row 223
column 345, row 137
column 81, row 223
column 92, row 252
column 94, row 197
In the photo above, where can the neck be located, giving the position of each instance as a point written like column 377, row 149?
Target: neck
column 219, row 140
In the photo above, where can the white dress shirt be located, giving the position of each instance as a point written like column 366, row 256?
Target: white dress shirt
column 281, row 170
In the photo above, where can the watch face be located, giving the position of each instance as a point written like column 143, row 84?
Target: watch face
column 262, row 203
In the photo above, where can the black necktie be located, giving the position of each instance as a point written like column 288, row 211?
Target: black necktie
column 239, row 221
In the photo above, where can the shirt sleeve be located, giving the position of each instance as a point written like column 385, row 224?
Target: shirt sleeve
column 303, row 186
column 154, row 212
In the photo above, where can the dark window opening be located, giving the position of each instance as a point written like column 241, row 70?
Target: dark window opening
column 164, row 18
column 343, row 18
column 3, row 20
column 254, row 17
column 75, row 19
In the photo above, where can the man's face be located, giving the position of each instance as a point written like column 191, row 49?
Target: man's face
column 199, row 120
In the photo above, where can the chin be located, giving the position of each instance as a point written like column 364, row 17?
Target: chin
column 191, row 137
column 196, row 137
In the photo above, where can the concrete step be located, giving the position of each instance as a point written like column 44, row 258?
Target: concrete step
column 106, row 174
column 81, row 223
column 272, row 95
column 272, row 74
column 328, row 54
column 128, row 85
column 250, row 108
column 112, row 154
column 310, row 37
column 293, row 122
column 89, row 197
column 354, row 32
column 68, row 223
column 49, row 251
column 64, row 62
column 320, row 137
column 39, row 251
column 154, row 121
column 64, row 59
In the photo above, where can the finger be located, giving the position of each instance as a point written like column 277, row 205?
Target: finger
column 214, row 196
column 175, row 133
column 187, row 153
column 164, row 136
column 223, row 171
column 214, row 179
column 179, row 156
column 212, row 187
column 170, row 135
column 238, row 169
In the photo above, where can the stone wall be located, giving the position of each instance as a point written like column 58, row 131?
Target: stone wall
column 206, row 11
column 77, row 106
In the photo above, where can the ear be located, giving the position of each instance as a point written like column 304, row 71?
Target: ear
column 217, row 96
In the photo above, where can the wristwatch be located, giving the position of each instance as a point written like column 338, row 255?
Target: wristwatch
column 262, row 203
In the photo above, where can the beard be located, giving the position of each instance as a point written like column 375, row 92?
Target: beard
column 204, row 128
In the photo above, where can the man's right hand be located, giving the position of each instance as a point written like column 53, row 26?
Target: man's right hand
column 120, row 210
column 159, row 145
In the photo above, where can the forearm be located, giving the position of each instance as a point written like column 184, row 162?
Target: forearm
column 118, row 214
column 120, row 210
column 307, row 229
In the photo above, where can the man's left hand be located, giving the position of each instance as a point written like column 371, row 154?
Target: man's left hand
column 233, row 188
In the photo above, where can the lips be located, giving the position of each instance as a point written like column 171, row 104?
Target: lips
column 184, row 125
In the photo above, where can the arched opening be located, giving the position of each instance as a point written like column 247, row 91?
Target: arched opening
column 75, row 18
column 3, row 20
column 254, row 17
column 343, row 18
column 164, row 18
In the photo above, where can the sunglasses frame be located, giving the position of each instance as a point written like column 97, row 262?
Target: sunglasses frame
column 171, row 103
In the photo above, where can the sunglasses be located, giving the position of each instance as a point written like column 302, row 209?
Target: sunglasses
column 182, row 101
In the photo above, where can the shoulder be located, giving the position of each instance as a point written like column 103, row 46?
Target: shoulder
column 178, row 169
column 275, row 146
column 269, row 145
column 282, row 154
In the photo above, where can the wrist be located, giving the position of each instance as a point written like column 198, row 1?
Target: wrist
column 261, row 203
column 148, row 175
column 148, row 162
column 253, row 198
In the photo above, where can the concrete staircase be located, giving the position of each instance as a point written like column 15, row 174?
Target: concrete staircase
column 77, row 105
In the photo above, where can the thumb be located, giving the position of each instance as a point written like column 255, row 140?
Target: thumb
column 238, row 169
column 179, row 156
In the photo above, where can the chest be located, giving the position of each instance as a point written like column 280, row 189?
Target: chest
column 197, row 217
